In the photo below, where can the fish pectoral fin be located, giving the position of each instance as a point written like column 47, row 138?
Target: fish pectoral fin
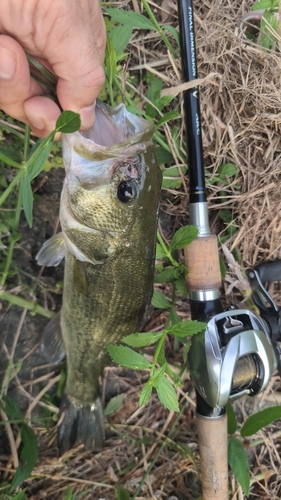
column 52, row 345
column 78, row 254
column 52, row 252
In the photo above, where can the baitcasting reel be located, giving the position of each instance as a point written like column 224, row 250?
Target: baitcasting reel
column 238, row 352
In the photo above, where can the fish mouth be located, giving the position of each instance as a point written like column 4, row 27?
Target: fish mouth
column 126, row 135
column 120, row 125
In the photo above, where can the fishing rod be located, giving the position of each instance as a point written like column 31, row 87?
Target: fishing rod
column 202, row 262
column 237, row 353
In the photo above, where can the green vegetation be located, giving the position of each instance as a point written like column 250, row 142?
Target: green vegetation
column 21, row 160
column 268, row 25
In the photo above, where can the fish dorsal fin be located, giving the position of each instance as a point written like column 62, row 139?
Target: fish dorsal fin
column 52, row 345
column 52, row 252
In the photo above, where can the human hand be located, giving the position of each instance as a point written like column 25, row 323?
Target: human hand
column 66, row 36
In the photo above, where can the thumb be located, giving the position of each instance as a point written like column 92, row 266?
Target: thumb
column 78, row 64
column 79, row 93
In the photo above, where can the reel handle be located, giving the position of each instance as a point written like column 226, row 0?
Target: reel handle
column 269, row 271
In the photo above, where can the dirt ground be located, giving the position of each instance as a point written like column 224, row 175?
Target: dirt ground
column 240, row 104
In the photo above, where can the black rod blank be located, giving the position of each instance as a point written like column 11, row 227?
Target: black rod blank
column 197, row 191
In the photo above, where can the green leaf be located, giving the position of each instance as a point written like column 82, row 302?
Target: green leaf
column 173, row 318
column 171, row 115
column 261, row 419
column 159, row 300
column 114, row 404
column 120, row 37
column 62, row 382
column 49, row 76
column 186, row 350
column 153, row 94
column 187, row 328
column 184, row 236
column 68, row 493
column 180, row 286
column 11, row 408
column 268, row 39
column 145, row 393
column 163, row 156
column 28, row 456
column 121, row 493
column 80, row 495
column 19, row 496
column 174, row 171
column 133, row 19
column 264, row 4
column 223, row 269
column 226, row 215
column 165, row 276
column 135, row 110
column 160, row 252
column 171, row 177
column 167, row 394
column 173, row 32
column 27, row 198
column 238, row 461
column 110, row 63
column 170, row 183
column 141, row 339
column 158, row 267
column 124, row 356
column 10, row 157
column 159, row 373
column 184, row 449
column 231, row 419
column 227, row 170
column 162, row 361
column 68, row 122
column 37, row 161
column 163, row 101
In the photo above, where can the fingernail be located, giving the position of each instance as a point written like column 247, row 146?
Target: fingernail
column 8, row 63
column 36, row 121
column 87, row 116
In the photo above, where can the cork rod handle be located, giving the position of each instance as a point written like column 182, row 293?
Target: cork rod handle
column 212, row 441
column 202, row 262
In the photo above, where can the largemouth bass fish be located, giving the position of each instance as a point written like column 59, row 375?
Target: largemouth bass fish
column 108, row 216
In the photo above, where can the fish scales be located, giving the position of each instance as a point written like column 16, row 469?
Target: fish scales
column 108, row 216
column 107, row 304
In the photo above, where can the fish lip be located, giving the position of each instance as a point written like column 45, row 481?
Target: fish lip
column 134, row 131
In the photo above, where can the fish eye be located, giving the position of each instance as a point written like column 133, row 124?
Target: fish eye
column 127, row 191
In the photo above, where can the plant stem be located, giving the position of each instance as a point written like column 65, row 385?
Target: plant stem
column 12, row 243
column 19, row 204
column 25, row 304
column 11, row 187
column 158, row 138
column 26, row 143
column 158, row 28
column 159, row 346
column 6, row 127
column 167, row 251
column 163, row 245
column 111, row 94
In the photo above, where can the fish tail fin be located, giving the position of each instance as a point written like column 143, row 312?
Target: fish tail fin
column 81, row 425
